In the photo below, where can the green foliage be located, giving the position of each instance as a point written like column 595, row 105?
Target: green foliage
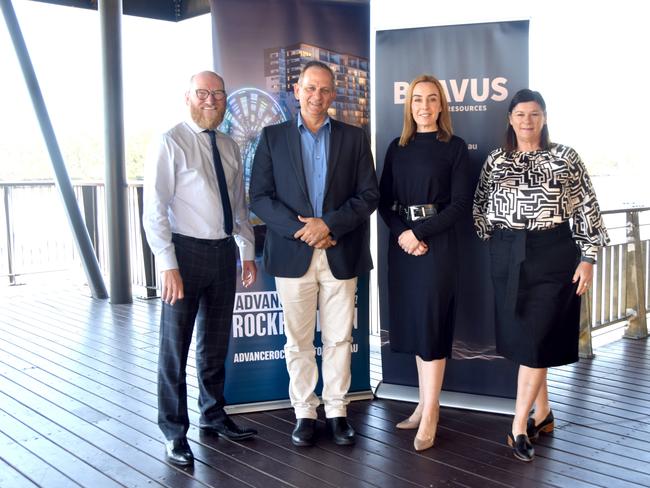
column 83, row 155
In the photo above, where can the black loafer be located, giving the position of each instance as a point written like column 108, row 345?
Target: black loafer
column 342, row 433
column 178, row 452
column 547, row 426
column 522, row 449
column 228, row 429
column 304, row 432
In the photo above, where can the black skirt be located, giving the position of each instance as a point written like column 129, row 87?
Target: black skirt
column 537, row 309
column 421, row 291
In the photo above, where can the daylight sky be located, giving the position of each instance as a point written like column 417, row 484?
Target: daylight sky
column 64, row 44
column 587, row 57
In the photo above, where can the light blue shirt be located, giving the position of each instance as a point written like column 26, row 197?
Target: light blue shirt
column 315, row 148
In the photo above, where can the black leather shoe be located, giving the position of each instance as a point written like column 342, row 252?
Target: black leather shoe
column 228, row 429
column 178, row 452
column 547, row 426
column 342, row 433
column 522, row 449
column 304, row 432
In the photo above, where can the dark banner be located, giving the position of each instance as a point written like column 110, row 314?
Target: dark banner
column 480, row 67
column 259, row 48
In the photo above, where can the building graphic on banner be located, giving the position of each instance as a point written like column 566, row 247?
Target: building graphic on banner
column 248, row 111
column 282, row 67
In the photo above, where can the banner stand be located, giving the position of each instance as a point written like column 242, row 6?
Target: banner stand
column 260, row 75
column 465, row 401
column 282, row 404
column 479, row 67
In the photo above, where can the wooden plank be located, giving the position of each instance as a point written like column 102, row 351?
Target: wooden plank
column 9, row 477
column 74, row 469
column 129, row 427
column 265, row 483
column 360, row 461
column 385, row 455
column 89, row 446
column 80, row 366
column 344, row 458
column 77, row 368
column 605, row 394
column 123, row 346
column 25, row 465
column 273, row 459
column 486, row 434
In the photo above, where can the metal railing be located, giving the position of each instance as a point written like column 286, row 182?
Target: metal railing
column 37, row 239
column 620, row 290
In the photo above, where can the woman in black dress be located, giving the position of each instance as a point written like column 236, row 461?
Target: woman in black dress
column 540, row 266
column 424, row 191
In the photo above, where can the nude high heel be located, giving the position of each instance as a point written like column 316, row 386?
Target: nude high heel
column 420, row 444
column 413, row 422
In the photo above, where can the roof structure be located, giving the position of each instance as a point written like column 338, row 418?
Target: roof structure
column 171, row 10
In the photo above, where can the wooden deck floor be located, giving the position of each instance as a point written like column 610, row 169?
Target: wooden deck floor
column 78, row 408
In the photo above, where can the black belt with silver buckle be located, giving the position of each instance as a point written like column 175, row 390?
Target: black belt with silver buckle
column 416, row 212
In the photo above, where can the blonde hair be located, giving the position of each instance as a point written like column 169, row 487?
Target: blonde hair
column 409, row 128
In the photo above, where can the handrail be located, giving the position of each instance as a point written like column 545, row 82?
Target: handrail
column 28, row 250
column 619, row 294
column 626, row 209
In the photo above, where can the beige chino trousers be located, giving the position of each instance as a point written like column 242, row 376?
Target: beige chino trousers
column 335, row 300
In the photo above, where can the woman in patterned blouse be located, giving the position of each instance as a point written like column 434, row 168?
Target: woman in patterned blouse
column 528, row 192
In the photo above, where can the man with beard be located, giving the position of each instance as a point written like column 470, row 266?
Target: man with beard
column 195, row 218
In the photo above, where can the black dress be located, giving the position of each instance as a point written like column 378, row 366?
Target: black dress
column 421, row 289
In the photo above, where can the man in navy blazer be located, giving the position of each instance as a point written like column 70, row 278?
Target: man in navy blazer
column 314, row 185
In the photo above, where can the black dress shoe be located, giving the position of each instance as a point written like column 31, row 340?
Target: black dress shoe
column 546, row 426
column 342, row 433
column 304, row 432
column 178, row 452
column 522, row 449
column 228, row 429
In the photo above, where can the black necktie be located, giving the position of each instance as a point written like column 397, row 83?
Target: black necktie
column 223, row 187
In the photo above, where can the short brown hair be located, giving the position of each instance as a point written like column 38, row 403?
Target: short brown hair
column 316, row 64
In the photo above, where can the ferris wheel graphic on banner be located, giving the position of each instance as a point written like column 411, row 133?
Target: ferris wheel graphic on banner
column 248, row 111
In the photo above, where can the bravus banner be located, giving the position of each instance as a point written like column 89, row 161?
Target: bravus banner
column 480, row 67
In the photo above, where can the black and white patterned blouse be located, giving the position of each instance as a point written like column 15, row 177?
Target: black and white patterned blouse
column 539, row 190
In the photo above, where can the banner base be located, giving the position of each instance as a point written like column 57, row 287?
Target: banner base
column 281, row 404
column 467, row 401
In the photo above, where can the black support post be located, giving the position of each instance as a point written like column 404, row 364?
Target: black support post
column 110, row 14
column 82, row 240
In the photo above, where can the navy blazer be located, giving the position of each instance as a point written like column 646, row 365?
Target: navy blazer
column 278, row 194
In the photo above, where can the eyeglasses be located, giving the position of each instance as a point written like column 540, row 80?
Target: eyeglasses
column 202, row 94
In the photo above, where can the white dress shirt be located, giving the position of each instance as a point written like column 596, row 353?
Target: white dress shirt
column 181, row 193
